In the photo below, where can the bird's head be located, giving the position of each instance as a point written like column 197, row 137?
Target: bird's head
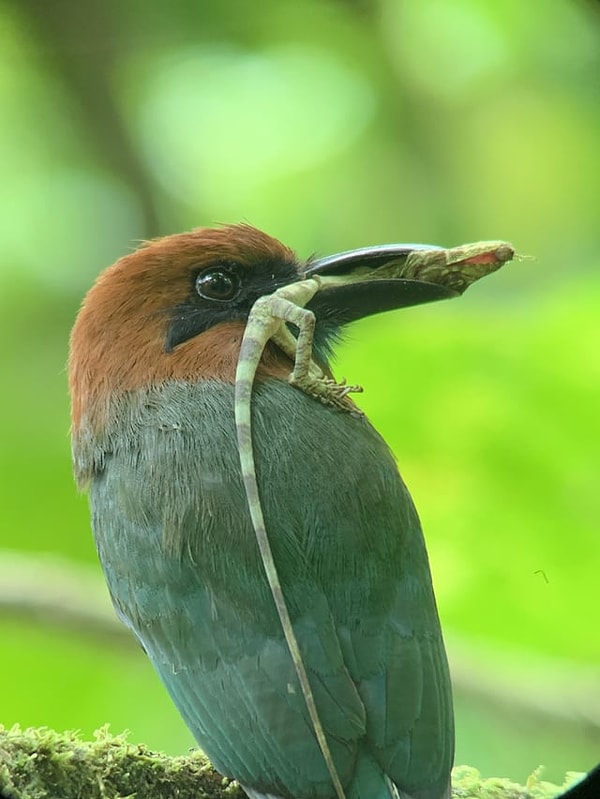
column 176, row 308
column 173, row 309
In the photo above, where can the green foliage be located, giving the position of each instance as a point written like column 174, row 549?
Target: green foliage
column 332, row 125
column 493, row 416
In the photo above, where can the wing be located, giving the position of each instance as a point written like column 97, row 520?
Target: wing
column 233, row 680
column 178, row 551
column 363, row 541
column 398, row 662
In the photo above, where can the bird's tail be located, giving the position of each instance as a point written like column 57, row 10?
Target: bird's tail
column 368, row 782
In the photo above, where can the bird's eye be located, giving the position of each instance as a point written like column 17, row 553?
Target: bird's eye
column 217, row 284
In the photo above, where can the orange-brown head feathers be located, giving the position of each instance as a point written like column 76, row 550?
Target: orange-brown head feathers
column 173, row 310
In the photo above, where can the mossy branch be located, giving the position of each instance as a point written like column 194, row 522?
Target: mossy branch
column 39, row 763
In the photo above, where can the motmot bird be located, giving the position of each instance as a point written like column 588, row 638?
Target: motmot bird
column 152, row 369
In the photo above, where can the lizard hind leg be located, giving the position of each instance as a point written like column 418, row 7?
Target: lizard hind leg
column 307, row 375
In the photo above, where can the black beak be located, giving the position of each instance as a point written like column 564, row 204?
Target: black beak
column 356, row 290
column 362, row 282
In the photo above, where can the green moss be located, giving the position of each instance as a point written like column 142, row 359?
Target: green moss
column 38, row 763
column 467, row 783
column 43, row 764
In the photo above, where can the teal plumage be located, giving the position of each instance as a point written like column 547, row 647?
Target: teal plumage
column 176, row 544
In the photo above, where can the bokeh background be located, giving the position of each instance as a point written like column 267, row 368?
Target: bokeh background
column 330, row 124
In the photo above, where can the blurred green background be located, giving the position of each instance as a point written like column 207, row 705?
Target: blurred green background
column 330, row 125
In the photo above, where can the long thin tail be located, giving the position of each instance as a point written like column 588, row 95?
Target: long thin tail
column 259, row 329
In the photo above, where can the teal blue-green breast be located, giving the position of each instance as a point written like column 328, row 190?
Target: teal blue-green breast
column 180, row 557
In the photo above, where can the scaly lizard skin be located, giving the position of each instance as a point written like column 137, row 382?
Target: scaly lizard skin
column 456, row 268
column 268, row 320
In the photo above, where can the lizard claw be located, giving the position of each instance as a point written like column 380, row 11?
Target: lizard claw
column 327, row 390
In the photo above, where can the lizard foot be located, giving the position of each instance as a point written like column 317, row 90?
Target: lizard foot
column 327, row 390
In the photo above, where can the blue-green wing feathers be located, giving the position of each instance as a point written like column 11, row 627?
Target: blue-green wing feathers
column 174, row 538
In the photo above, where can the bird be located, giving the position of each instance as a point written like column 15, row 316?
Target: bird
column 152, row 363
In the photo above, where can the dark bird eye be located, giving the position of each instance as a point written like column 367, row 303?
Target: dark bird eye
column 217, row 284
